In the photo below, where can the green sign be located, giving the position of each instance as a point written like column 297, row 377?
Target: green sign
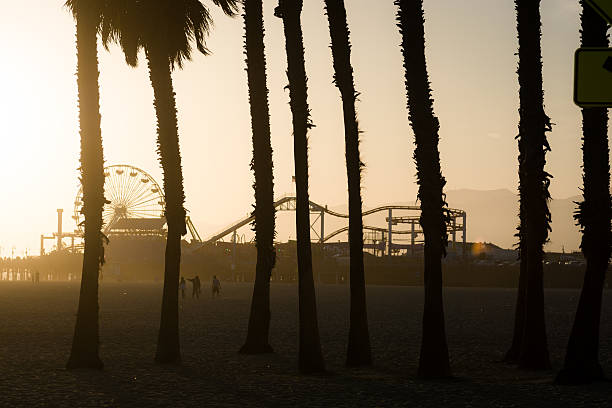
column 593, row 77
column 603, row 7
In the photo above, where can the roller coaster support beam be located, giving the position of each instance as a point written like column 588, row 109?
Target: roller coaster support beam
column 192, row 230
column 454, row 231
column 322, row 221
column 323, row 225
column 412, row 238
column 464, row 232
column 390, row 231
column 234, row 239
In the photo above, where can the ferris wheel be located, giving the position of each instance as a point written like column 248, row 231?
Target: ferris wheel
column 132, row 193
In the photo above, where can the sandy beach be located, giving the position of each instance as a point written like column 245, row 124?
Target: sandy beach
column 37, row 323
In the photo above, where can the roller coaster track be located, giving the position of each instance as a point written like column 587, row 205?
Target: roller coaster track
column 369, row 228
column 288, row 202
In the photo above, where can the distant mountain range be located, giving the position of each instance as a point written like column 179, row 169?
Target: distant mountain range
column 492, row 216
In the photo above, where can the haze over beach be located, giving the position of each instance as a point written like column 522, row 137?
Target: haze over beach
column 332, row 203
column 475, row 92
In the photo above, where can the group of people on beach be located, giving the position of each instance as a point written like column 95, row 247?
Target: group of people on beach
column 197, row 286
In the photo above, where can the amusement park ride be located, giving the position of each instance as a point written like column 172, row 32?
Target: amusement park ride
column 136, row 206
column 376, row 238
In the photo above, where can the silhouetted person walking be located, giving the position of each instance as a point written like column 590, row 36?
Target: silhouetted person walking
column 196, row 287
column 216, row 286
column 37, row 277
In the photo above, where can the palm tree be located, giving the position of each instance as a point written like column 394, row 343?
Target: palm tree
column 85, row 344
column 593, row 215
column 359, row 352
column 534, row 182
column 165, row 30
column 434, row 360
column 512, row 354
column 259, row 321
column 310, row 355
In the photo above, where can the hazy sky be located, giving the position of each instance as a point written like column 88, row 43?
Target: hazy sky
column 471, row 48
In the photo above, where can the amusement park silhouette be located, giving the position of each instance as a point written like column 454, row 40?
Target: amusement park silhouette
column 414, row 263
column 135, row 207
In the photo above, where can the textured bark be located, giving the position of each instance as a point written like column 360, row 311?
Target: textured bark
column 85, row 344
column 167, row 31
column 534, row 183
column 512, row 354
column 593, row 215
column 434, row 359
column 168, row 346
column 310, row 355
column 262, row 165
column 358, row 352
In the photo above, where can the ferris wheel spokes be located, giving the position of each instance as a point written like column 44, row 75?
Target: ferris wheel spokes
column 131, row 192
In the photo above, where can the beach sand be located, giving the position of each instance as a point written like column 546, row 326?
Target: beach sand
column 37, row 322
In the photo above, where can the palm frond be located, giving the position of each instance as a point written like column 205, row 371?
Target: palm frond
column 172, row 26
column 229, row 7
column 187, row 21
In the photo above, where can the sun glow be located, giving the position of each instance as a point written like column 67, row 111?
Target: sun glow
column 38, row 131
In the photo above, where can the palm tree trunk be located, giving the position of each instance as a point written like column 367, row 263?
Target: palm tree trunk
column 259, row 322
column 434, row 359
column 512, row 354
column 168, row 346
column 85, row 344
column 534, row 184
column 310, row 355
column 359, row 351
column 582, row 357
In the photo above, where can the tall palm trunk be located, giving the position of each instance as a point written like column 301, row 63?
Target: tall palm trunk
column 168, row 346
column 259, row 321
column 582, row 357
column 310, row 355
column 358, row 352
column 85, row 344
column 534, row 182
column 434, row 360
column 512, row 355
